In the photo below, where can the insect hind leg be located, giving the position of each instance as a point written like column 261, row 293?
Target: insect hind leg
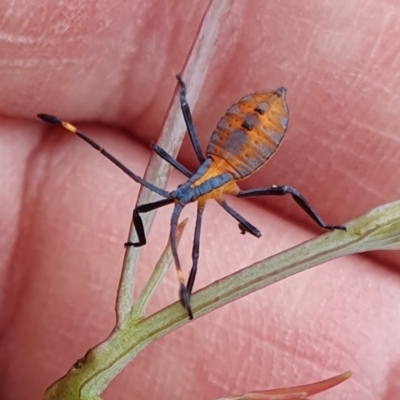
column 244, row 225
column 297, row 197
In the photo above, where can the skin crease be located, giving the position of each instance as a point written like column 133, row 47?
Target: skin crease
column 65, row 210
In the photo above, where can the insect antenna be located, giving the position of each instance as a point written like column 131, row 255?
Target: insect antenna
column 51, row 119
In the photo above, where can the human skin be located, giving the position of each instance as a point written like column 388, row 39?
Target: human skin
column 65, row 210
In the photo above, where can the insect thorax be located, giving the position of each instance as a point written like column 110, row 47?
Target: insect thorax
column 210, row 181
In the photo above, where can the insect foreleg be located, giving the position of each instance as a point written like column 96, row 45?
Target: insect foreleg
column 138, row 223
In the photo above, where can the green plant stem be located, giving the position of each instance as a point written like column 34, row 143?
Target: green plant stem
column 378, row 229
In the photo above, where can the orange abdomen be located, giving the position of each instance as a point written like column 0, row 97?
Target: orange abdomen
column 250, row 132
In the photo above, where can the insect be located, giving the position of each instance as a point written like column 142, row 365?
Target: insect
column 245, row 138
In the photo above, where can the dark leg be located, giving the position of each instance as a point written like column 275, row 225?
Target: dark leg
column 244, row 225
column 189, row 121
column 195, row 250
column 169, row 159
column 50, row 119
column 137, row 220
column 298, row 198
column 183, row 292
